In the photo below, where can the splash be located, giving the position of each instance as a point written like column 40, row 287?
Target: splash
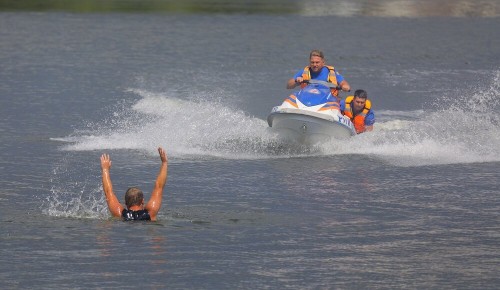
column 200, row 127
column 75, row 192
column 458, row 128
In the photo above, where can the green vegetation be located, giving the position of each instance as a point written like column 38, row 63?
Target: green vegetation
column 153, row 6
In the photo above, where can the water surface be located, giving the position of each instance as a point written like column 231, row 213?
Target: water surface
column 414, row 204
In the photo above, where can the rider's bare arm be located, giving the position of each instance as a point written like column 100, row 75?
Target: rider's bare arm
column 345, row 86
column 292, row 83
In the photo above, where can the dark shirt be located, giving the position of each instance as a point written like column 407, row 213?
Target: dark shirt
column 137, row 215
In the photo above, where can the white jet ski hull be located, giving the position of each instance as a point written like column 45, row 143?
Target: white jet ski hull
column 309, row 127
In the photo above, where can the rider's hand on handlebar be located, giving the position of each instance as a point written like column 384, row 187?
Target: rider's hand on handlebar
column 339, row 88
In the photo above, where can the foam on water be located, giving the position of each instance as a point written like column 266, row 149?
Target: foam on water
column 459, row 128
column 201, row 126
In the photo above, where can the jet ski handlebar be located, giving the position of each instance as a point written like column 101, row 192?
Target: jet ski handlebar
column 323, row 83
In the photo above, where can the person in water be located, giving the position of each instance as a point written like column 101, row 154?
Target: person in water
column 134, row 198
column 358, row 109
column 317, row 70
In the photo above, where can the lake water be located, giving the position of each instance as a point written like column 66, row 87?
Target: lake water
column 414, row 204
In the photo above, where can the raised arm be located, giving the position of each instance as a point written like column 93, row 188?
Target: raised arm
column 154, row 202
column 113, row 204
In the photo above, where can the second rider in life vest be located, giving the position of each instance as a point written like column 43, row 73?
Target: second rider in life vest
column 358, row 109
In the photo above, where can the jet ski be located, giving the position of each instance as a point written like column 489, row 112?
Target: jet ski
column 310, row 117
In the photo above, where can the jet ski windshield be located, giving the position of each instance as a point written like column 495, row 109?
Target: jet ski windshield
column 315, row 93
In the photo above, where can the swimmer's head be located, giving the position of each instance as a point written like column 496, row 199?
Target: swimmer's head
column 134, row 196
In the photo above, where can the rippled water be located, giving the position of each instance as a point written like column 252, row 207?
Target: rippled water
column 414, row 204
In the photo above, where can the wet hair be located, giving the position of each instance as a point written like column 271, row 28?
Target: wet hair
column 360, row 94
column 316, row 52
column 133, row 196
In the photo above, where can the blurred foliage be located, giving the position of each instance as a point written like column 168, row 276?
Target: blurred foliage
column 150, row 6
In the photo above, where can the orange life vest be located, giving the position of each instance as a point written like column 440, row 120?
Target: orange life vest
column 359, row 119
column 332, row 78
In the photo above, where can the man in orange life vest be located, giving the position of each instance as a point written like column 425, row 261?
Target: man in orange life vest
column 317, row 70
column 358, row 109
